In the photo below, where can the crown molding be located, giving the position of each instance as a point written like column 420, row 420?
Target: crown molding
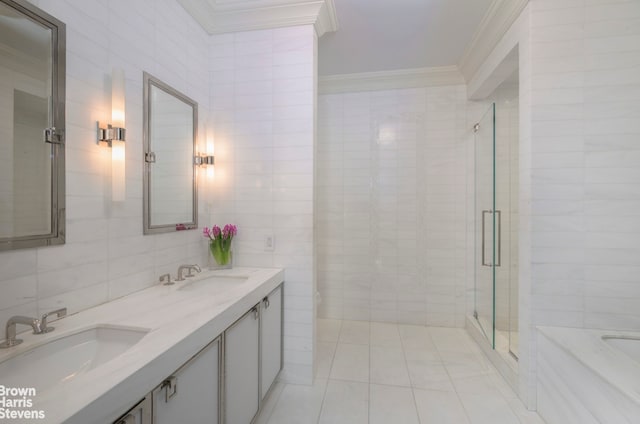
column 495, row 23
column 221, row 16
column 389, row 80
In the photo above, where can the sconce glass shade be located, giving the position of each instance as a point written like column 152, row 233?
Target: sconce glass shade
column 118, row 173
column 211, row 169
column 117, row 99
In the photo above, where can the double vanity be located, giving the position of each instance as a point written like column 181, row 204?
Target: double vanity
column 206, row 349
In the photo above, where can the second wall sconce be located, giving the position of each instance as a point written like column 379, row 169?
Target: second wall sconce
column 207, row 159
column 115, row 135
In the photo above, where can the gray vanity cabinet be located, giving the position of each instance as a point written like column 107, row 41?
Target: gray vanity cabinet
column 241, row 366
column 227, row 380
column 191, row 394
column 271, row 339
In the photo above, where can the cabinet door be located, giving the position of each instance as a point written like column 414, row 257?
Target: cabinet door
column 139, row 414
column 271, row 338
column 191, row 394
column 241, row 359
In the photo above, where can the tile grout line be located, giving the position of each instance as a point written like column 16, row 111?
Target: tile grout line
column 406, row 364
column 326, row 387
column 369, row 378
column 455, row 389
column 275, row 403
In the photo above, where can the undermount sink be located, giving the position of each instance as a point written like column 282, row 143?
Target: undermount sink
column 214, row 284
column 65, row 358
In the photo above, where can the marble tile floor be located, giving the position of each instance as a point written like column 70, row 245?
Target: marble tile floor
column 380, row 373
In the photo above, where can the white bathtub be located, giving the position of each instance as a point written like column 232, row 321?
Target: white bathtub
column 588, row 376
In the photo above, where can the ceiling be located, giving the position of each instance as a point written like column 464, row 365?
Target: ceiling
column 384, row 35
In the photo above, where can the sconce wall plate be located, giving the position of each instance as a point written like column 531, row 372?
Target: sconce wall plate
column 204, row 160
column 110, row 133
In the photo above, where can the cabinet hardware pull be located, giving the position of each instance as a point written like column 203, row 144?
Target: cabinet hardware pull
column 170, row 386
column 127, row 419
column 255, row 313
column 266, row 302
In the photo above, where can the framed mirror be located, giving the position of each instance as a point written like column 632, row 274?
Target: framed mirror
column 170, row 137
column 32, row 122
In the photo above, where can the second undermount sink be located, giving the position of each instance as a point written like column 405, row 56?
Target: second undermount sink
column 214, row 284
column 65, row 358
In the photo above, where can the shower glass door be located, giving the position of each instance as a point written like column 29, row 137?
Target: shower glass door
column 487, row 227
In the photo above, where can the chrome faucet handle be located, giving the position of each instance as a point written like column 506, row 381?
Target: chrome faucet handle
column 181, row 268
column 195, row 268
column 43, row 321
column 188, row 268
column 167, row 277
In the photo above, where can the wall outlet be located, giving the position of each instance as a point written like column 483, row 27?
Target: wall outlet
column 269, row 243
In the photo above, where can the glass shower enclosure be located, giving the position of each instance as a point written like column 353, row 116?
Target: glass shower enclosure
column 495, row 209
column 486, row 242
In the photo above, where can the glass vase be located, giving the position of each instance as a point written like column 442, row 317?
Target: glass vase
column 219, row 257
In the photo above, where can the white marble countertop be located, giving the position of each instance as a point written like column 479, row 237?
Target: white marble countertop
column 609, row 363
column 180, row 323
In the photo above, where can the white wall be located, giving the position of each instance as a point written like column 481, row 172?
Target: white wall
column 391, row 205
column 263, row 96
column 106, row 256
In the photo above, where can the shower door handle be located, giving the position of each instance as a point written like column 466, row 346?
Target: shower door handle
column 482, row 248
column 498, row 215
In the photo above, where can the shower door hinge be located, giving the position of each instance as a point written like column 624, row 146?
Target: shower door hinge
column 53, row 136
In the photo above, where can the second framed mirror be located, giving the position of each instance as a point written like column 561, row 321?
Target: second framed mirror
column 170, row 137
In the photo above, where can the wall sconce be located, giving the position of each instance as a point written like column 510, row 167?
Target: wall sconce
column 208, row 159
column 115, row 135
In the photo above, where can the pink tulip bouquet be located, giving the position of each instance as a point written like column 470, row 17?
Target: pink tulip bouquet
column 220, row 242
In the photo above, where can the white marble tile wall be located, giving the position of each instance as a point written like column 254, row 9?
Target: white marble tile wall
column 586, row 163
column 106, row 255
column 263, row 95
column 391, row 204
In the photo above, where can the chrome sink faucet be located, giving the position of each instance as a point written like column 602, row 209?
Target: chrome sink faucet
column 39, row 326
column 189, row 268
column 10, row 329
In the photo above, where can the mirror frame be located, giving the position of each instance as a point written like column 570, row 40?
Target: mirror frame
column 58, row 90
column 148, row 228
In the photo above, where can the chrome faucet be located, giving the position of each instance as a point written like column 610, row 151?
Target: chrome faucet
column 39, row 326
column 189, row 268
column 10, row 329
